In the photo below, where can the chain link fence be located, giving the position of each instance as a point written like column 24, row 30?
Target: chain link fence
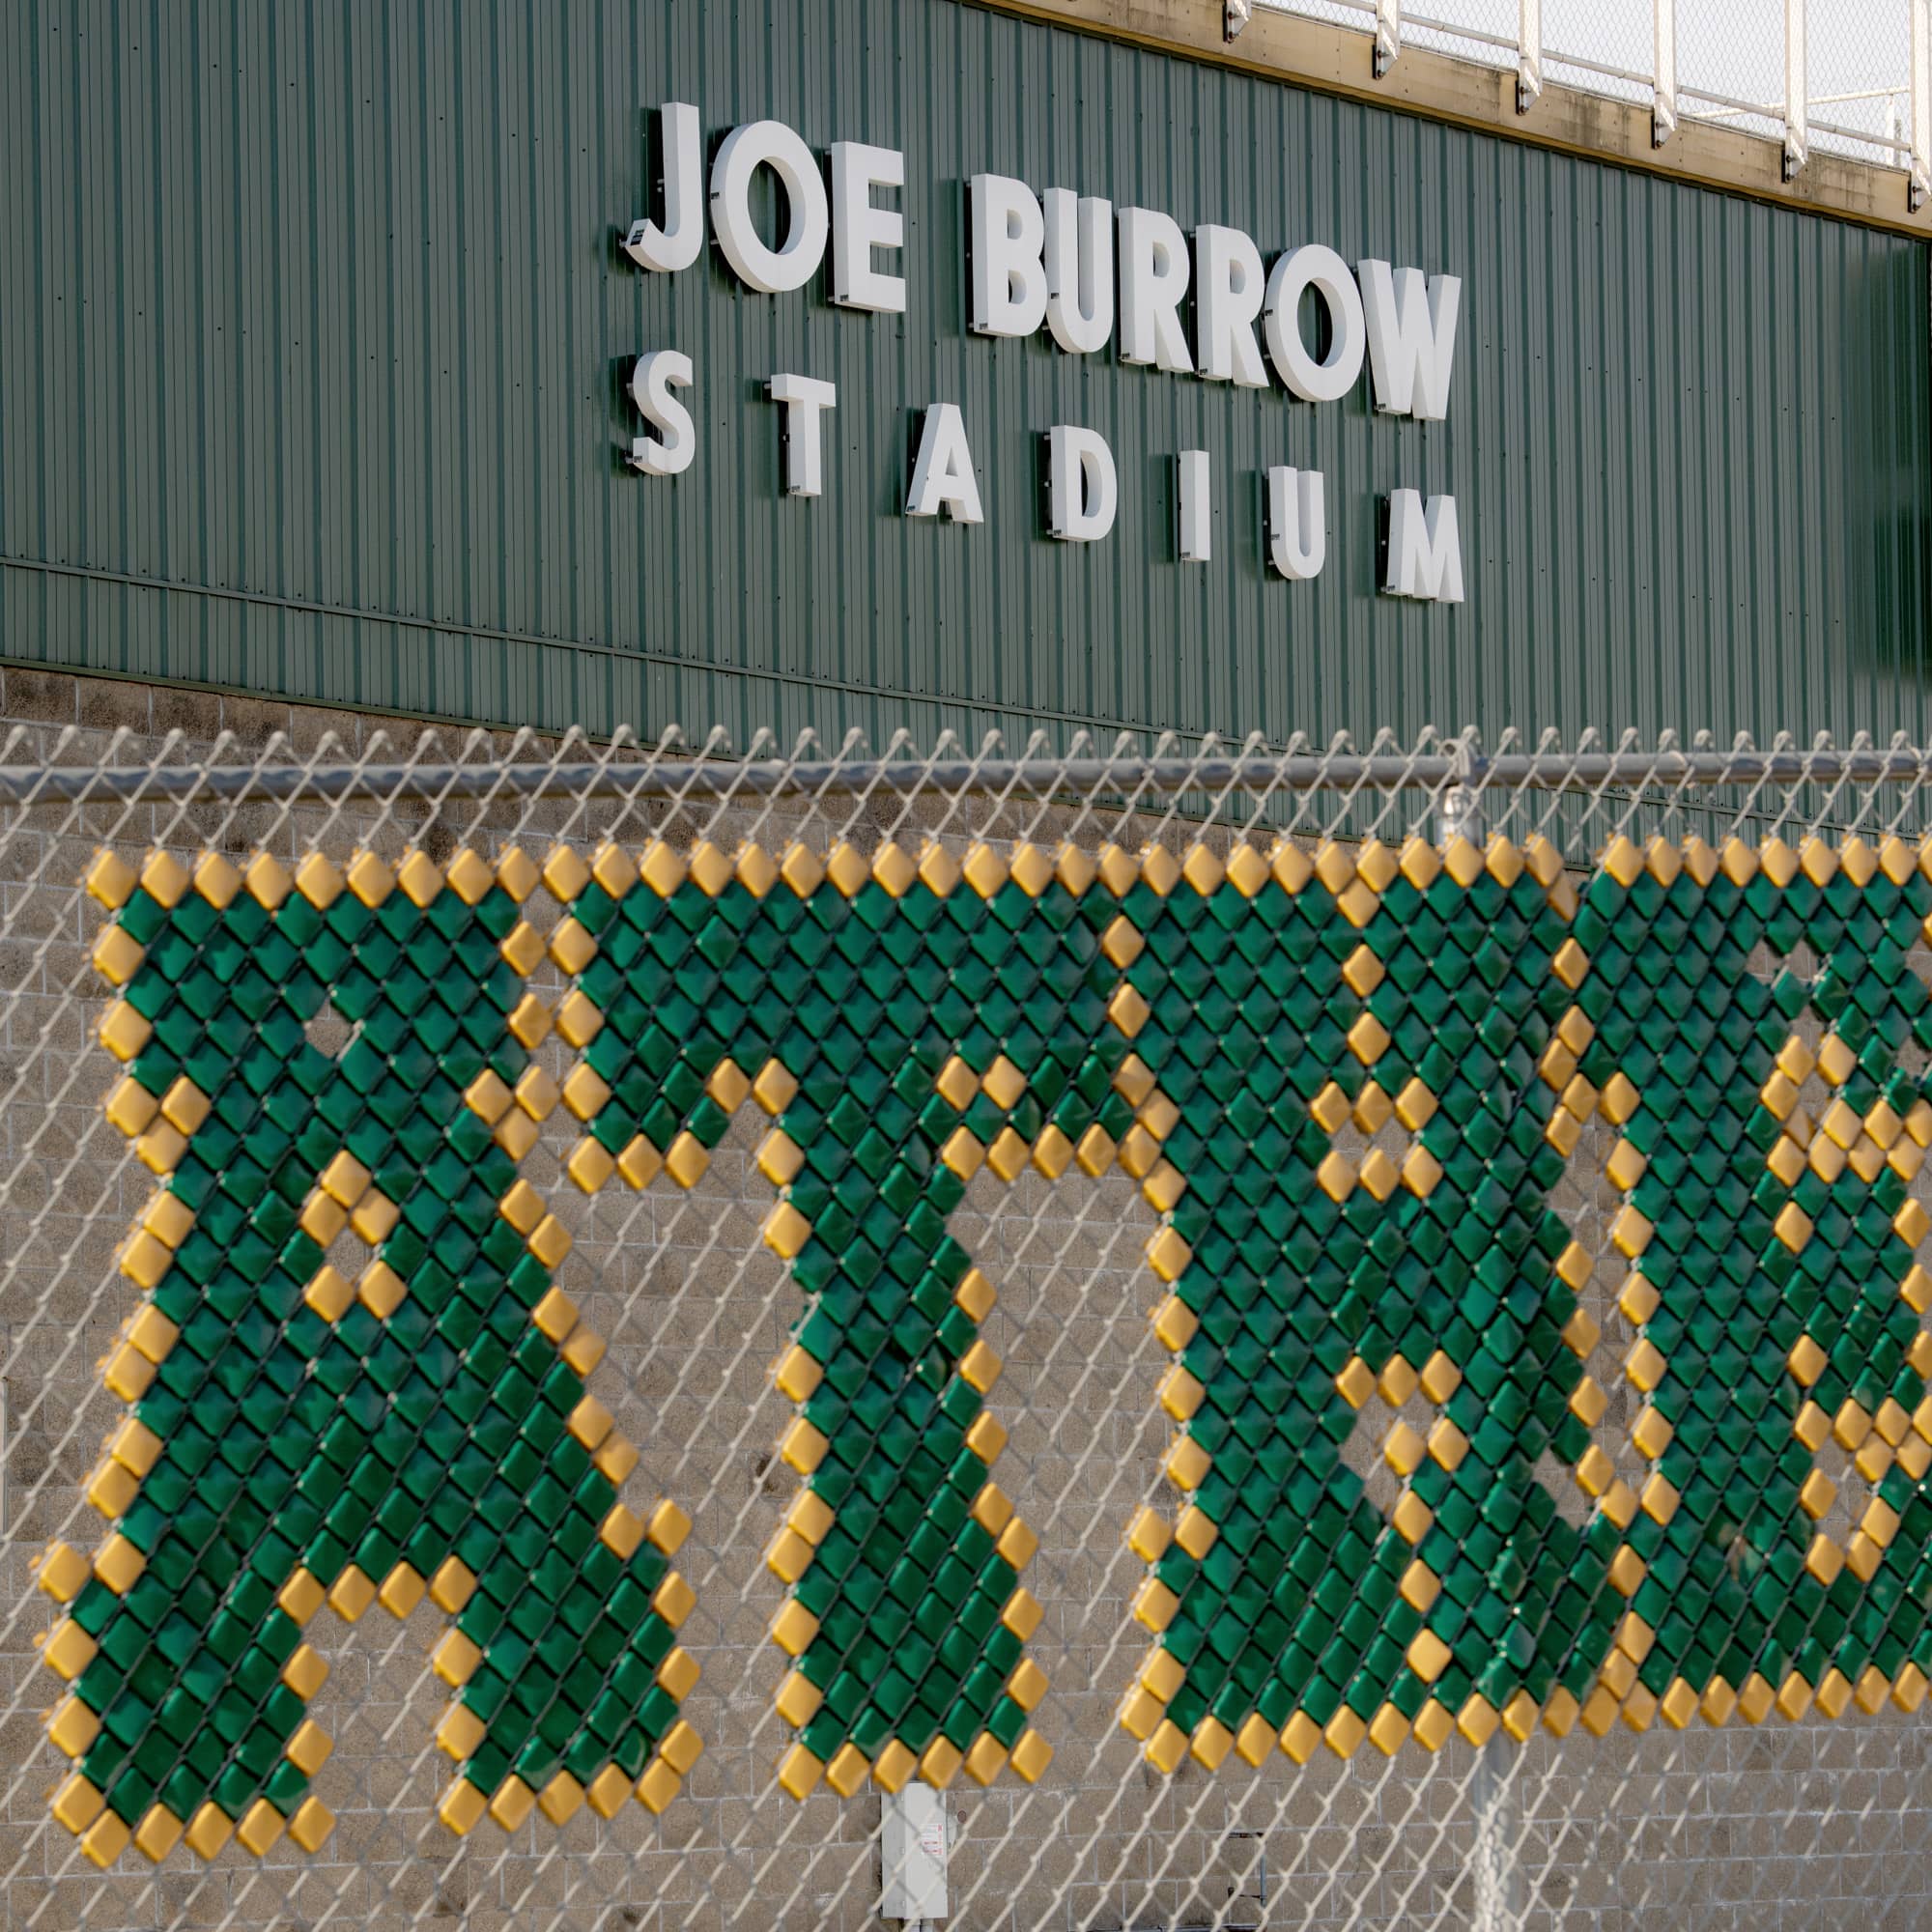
column 1600, row 1815
column 1733, row 59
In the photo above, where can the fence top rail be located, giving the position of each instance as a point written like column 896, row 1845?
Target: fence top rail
column 674, row 774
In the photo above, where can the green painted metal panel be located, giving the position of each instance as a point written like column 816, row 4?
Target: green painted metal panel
column 314, row 331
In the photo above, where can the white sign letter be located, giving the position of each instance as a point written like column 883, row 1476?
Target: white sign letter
column 858, row 227
column 1228, row 290
column 1082, row 490
column 1297, row 528
column 1328, row 274
column 674, row 245
column 804, row 400
column 1195, row 537
column 768, row 144
column 1153, row 279
column 1005, row 232
column 942, row 473
column 1424, row 553
column 1079, row 270
column 675, row 444
column 1411, row 338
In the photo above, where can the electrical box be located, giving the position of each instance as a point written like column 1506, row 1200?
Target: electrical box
column 911, row 1852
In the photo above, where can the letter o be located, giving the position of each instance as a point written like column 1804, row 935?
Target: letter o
column 769, row 144
column 1314, row 267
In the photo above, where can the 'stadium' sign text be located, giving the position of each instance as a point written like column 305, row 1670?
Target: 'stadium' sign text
column 1088, row 274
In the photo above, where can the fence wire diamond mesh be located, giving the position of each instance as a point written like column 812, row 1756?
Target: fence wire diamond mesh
column 1730, row 57
column 1470, row 1655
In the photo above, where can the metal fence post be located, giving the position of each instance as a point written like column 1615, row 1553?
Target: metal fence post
column 1919, row 181
column 1497, row 1904
column 1664, row 84
column 1796, row 108
column 1388, row 35
column 1528, row 54
column 1460, row 816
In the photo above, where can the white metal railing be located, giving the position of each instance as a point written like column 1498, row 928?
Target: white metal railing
column 1851, row 76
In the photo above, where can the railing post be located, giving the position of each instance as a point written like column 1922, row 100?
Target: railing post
column 1919, row 181
column 1797, row 99
column 1235, row 15
column 1528, row 54
column 1663, row 98
column 1388, row 35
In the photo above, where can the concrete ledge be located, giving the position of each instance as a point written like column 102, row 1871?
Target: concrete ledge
column 1336, row 60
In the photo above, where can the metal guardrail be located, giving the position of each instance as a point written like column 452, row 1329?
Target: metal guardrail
column 1869, row 66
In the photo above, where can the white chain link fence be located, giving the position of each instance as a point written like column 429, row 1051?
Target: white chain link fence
column 1811, row 1824
column 1844, row 75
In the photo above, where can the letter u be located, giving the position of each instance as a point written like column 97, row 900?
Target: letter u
column 1296, row 528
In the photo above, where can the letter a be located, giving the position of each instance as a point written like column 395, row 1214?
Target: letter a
column 942, row 473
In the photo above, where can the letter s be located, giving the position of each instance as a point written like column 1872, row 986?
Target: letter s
column 675, row 442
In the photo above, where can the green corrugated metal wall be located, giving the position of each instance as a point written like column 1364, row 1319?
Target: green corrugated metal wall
column 313, row 330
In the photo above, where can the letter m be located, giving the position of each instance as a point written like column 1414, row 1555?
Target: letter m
column 1424, row 553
